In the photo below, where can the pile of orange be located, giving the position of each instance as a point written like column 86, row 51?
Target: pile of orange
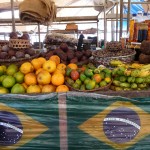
column 43, row 75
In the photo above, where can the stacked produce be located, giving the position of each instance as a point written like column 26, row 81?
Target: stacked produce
column 38, row 76
column 131, row 77
column 113, row 51
column 10, row 52
column 88, row 78
column 68, row 55
column 53, row 40
column 145, row 52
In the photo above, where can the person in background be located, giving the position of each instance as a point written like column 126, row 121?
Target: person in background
column 80, row 42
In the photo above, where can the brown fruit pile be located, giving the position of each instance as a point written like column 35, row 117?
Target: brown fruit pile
column 7, row 52
column 68, row 55
column 144, row 57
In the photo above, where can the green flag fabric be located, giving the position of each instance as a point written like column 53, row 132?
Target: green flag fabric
column 100, row 122
column 74, row 121
column 29, row 122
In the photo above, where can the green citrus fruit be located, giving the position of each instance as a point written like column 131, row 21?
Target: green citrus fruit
column 12, row 69
column 90, row 85
column 19, row 76
column 18, row 89
column 8, row 81
column 102, row 83
column 3, row 90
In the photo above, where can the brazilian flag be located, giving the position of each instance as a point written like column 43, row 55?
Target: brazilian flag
column 100, row 122
column 29, row 122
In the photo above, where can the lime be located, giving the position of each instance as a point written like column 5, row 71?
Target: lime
column 82, row 76
column 8, row 81
column 90, row 85
column 88, row 72
column 102, row 83
column 18, row 89
column 2, row 77
column 87, row 80
column 19, row 76
column 3, row 90
column 78, row 81
column 12, row 69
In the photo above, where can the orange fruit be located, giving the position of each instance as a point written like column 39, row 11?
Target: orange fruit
column 50, row 66
column 49, row 88
column 59, row 71
column 43, row 77
column 97, row 78
column 39, row 70
column 61, row 66
column 42, row 60
column 58, row 79
column 26, row 67
column 73, row 66
column 36, row 63
column 30, row 79
column 55, row 58
column 62, row 88
column 33, row 89
column 25, row 85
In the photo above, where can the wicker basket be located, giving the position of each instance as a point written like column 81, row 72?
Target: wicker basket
column 19, row 61
column 105, row 88
column 19, row 43
column 106, row 60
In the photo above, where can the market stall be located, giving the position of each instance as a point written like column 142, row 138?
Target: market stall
column 64, row 98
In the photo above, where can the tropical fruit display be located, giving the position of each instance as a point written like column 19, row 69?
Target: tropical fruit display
column 87, row 77
column 131, row 77
column 37, row 76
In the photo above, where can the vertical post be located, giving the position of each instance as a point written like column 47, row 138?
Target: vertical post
column 39, row 36
column 105, row 26
column 128, row 17
column 117, row 22
column 121, row 17
column 112, row 27
column 97, row 35
column 47, row 28
column 13, row 16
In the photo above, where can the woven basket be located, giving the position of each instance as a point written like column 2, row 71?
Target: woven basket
column 3, row 42
column 19, row 43
column 105, row 88
column 19, row 61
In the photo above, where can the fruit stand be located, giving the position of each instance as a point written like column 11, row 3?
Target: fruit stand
column 64, row 98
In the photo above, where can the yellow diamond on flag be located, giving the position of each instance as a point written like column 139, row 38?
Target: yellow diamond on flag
column 121, row 125
column 17, row 128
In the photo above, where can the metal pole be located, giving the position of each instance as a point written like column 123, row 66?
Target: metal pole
column 112, row 27
column 97, row 35
column 39, row 36
column 13, row 17
column 128, row 16
column 117, row 22
column 121, row 17
column 105, row 27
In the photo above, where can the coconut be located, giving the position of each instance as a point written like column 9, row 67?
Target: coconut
column 3, row 55
column 20, row 54
column 64, row 46
column 144, row 59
